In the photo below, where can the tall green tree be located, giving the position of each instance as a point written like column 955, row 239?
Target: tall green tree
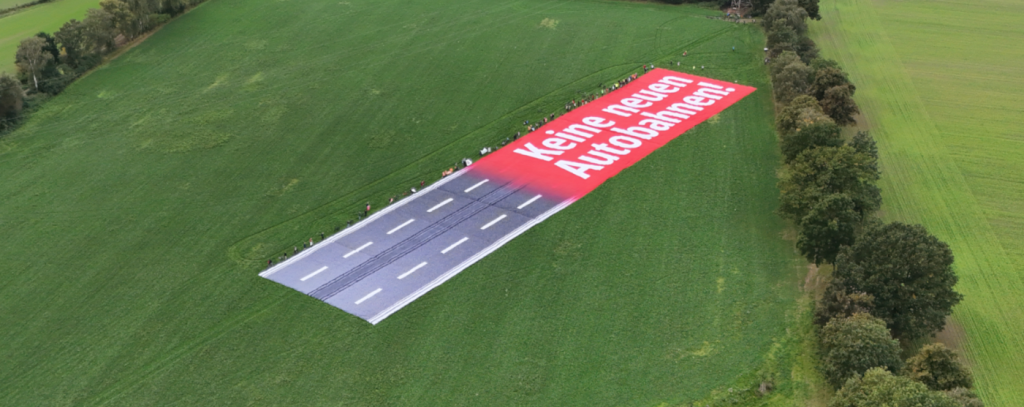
column 835, row 303
column 11, row 97
column 802, row 111
column 937, row 367
column 822, row 171
column 839, row 105
column 760, row 6
column 811, row 7
column 819, row 134
column 791, row 82
column 99, row 28
column 785, row 12
column 73, row 37
column 806, row 48
column 32, row 58
column 50, row 46
column 908, row 271
column 851, row 346
column 820, row 63
column 782, row 38
column 780, row 62
column 827, row 78
column 865, row 144
column 829, row 225
column 123, row 17
column 879, row 388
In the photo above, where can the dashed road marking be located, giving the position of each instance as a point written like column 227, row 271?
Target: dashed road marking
column 407, row 273
column 357, row 250
column 400, row 226
column 454, row 245
column 310, row 275
column 443, row 203
column 528, row 202
column 491, row 223
column 476, row 185
column 360, row 301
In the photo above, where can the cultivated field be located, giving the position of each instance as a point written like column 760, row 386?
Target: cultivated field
column 26, row 23
column 141, row 203
column 941, row 85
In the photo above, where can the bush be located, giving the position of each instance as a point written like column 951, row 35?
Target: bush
column 828, row 77
column 802, row 111
column 851, row 346
column 837, row 303
column 878, row 388
column 821, row 134
column 839, row 105
column 11, row 97
column 964, row 397
column 938, row 368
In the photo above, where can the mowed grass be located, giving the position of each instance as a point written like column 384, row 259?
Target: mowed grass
column 941, row 86
column 141, row 203
column 48, row 17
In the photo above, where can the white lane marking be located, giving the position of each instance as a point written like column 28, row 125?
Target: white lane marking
column 359, row 225
column 443, row 203
column 368, row 296
column 491, row 223
column 528, row 202
column 454, row 245
column 400, row 226
column 462, row 266
column 407, row 273
column 476, row 185
column 357, row 250
column 310, row 275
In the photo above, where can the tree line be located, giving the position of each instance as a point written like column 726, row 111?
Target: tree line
column 22, row 6
column 890, row 282
column 758, row 7
column 48, row 63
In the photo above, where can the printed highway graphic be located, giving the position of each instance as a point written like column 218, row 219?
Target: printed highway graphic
column 378, row 266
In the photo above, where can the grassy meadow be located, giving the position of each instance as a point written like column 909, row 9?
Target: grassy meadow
column 6, row 4
column 141, row 203
column 28, row 22
column 940, row 84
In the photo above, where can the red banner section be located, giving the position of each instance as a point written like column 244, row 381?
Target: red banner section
column 573, row 154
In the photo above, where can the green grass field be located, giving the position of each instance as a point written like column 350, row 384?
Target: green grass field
column 26, row 23
column 141, row 203
column 940, row 84
column 6, row 4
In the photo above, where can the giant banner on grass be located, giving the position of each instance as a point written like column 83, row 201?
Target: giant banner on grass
column 400, row 253
column 576, row 152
